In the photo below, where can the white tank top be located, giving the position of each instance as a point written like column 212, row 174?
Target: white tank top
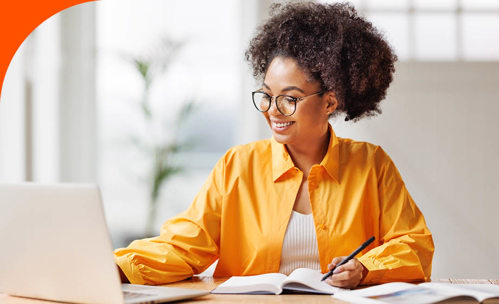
column 299, row 248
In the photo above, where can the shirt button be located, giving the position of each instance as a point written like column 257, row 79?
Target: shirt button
column 323, row 227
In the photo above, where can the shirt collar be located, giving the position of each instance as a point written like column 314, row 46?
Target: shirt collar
column 282, row 162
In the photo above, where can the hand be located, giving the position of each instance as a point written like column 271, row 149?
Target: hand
column 347, row 275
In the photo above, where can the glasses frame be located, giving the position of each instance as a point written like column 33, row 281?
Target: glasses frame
column 274, row 98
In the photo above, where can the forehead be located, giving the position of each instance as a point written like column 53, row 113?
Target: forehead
column 285, row 71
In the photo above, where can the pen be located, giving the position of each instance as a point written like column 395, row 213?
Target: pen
column 348, row 258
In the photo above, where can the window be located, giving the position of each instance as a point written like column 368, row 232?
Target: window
column 444, row 30
column 207, row 69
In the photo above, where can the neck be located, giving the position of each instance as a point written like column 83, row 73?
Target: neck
column 306, row 155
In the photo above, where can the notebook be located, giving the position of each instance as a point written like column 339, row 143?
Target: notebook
column 56, row 246
column 301, row 279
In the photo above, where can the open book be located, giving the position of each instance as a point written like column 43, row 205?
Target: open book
column 424, row 293
column 301, row 279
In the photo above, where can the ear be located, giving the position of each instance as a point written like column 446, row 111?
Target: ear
column 331, row 102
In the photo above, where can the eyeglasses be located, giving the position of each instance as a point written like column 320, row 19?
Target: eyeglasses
column 285, row 104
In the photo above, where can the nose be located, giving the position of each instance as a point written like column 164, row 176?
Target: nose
column 273, row 107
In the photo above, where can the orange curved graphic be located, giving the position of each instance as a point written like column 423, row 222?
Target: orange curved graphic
column 18, row 19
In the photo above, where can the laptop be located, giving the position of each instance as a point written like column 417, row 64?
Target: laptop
column 55, row 246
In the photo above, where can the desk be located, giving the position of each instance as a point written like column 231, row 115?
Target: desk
column 209, row 283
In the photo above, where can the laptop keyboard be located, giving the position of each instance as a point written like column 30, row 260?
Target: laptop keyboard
column 129, row 295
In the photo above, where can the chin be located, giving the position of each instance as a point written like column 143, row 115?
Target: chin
column 282, row 139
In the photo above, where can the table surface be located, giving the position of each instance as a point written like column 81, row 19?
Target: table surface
column 209, row 283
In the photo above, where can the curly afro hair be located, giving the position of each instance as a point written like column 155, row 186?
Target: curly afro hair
column 334, row 46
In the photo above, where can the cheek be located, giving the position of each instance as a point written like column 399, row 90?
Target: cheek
column 312, row 114
column 266, row 115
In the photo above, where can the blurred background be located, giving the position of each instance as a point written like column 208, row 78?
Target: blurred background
column 143, row 97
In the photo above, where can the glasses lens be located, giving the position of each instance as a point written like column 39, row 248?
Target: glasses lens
column 261, row 101
column 286, row 104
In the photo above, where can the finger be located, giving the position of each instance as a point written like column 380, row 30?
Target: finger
column 353, row 265
column 350, row 265
column 338, row 281
column 342, row 276
column 346, row 275
column 333, row 283
column 345, row 279
column 335, row 261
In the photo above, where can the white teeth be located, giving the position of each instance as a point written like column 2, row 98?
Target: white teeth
column 282, row 124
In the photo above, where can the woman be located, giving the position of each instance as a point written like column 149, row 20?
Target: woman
column 304, row 198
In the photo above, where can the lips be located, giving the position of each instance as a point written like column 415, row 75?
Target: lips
column 281, row 124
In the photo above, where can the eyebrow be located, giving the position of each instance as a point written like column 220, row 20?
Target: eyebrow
column 287, row 89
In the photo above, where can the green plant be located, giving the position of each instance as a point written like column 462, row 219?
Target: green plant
column 161, row 148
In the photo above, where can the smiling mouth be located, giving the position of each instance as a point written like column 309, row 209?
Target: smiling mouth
column 282, row 124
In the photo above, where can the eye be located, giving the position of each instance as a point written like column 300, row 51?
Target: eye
column 289, row 99
column 265, row 96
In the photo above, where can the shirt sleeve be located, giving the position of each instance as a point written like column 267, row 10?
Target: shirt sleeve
column 406, row 244
column 187, row 245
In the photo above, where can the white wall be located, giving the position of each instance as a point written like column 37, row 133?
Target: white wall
column 439, row 125
column 77, row 95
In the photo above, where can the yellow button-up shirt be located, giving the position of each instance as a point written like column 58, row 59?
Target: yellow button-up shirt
column 241, row 213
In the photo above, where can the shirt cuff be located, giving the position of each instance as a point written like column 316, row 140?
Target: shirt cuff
column 130, row 270
column 374, row 274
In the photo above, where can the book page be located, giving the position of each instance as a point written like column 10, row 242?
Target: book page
column 403, row 293
column 268, row 283
column 308, row 280
column 382, row 289
column 481, row 292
